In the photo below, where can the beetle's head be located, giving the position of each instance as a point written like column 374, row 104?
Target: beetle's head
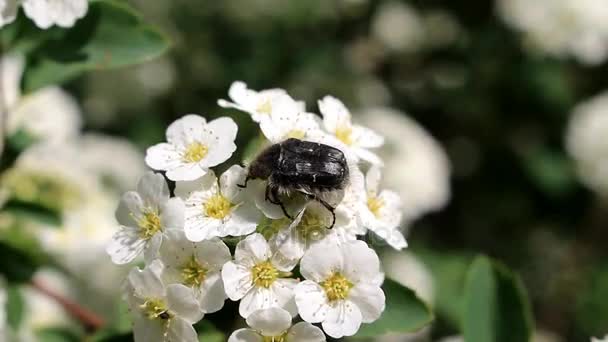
column 265, row 163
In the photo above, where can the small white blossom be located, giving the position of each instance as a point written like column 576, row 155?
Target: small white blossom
column 8, row 11
column 290, row 122
column 274, row 324
column 341, row 289
column 193, row 146
column 604, row 339
column 381, row 211
column 196, row 265
column 217, row 208
column 259, row 104
column 353, row 138
column 257, row 278
column 406, row 269
column 63, row 13
column 161, row 313
column 586, row 142
column 145, row 216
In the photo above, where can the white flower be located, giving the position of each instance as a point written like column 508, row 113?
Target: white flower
column 218, row 210
column 561, row 27
column 193, row 147
column 257, row 278
column 398, row 26
column 196, row 265
column 160, row 313
column 145, row 216
column 63, row 13
column 415, row 163
column 274, row 324
column 381, row 211
column 290, row 122
column 586, row 142
column 8, row 11
column 604, row 339
column 259, row 104
column 355, row 138
column 406, row 269
column 342, row 288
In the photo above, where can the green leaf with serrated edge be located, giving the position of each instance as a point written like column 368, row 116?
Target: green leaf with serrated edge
column 111, row 35
column 404, row 312
column 496, row 305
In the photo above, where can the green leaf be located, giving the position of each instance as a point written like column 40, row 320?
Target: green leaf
column 30, row 211
column 56, row 335
column 208, row 333
column 111, row 35
column 15, row 264
column 14, row 307
column 404, row 312
column 497, row 308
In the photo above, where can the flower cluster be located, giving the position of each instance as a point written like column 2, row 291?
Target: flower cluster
column 217, row 236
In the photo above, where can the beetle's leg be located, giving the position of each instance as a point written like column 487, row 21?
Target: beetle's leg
column 324, row 203
column 274, row 199
column 244, row 185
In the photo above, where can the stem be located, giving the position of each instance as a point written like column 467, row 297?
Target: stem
column 88, row 318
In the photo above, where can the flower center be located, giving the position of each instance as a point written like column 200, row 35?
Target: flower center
column 217, row 207
column 269, row 227
column 344, row 134
column 312, row 226
column 296, row 133
column 336, row 287
column 375, row 204
column 265, row 107
column 193, row 273
column 154, row 309
column 195, row 152
column 149, row 224
column 264, row 274
column 280, row 338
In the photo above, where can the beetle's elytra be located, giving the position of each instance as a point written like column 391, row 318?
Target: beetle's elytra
column 302, row 166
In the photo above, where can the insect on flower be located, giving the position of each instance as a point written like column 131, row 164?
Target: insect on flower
column 303, row 167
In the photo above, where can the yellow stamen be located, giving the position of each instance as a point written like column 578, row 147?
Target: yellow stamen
column 154, row 309
column 344, row 134
column 264, row 274
column 217, row 207
column 265, row 107
column 296, row 133
column 195, row 152
column 193, row 273
column 149, row 224
column 336, row 287
column 375, row 204
column 280, row 338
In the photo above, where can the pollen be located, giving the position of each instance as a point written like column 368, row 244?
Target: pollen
column 193, row 273
column 217, row 207
column 149, row 224
column 296, row 133
column 344, row 134
column 264, row 274
column 280, row 338
column 265, row 107
column 375, row 204
column 155, row 309
column 336, row 287
column 195, row 152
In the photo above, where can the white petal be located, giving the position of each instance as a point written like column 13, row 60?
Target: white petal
column 305, row 332
column 63, row 13
column 252, row 250
column 172, row 214
column 152, row 247
column 185, row 189
column 200, row 228
column 320, row 261
column 163, row 156
column 270, row 322
column 237, row 280
column 372, row 180
column 184, row 130
column 245, row 335
column 212, row 295
column 311, row 301
column 181, row 330
column 176, row 249
column 182, row 302
column 243, row 221
column 213, row 253
column 130, row 208
column 219, row 137
column 360, row 262
column 283, row 290
column 370, row 300
column 8, row 12
column 229, row 180
column 343, row 319
column 186, row 172
column 146, row 283
column 146, row 330
column 366, row 138
column 257, row 298
column 125, row 245
column 153, row 189
column 367, row 155
column 335, row 114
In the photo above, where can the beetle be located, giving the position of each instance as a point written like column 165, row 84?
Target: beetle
column 304, row 167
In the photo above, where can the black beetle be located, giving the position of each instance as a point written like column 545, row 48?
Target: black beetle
column 302, row 166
